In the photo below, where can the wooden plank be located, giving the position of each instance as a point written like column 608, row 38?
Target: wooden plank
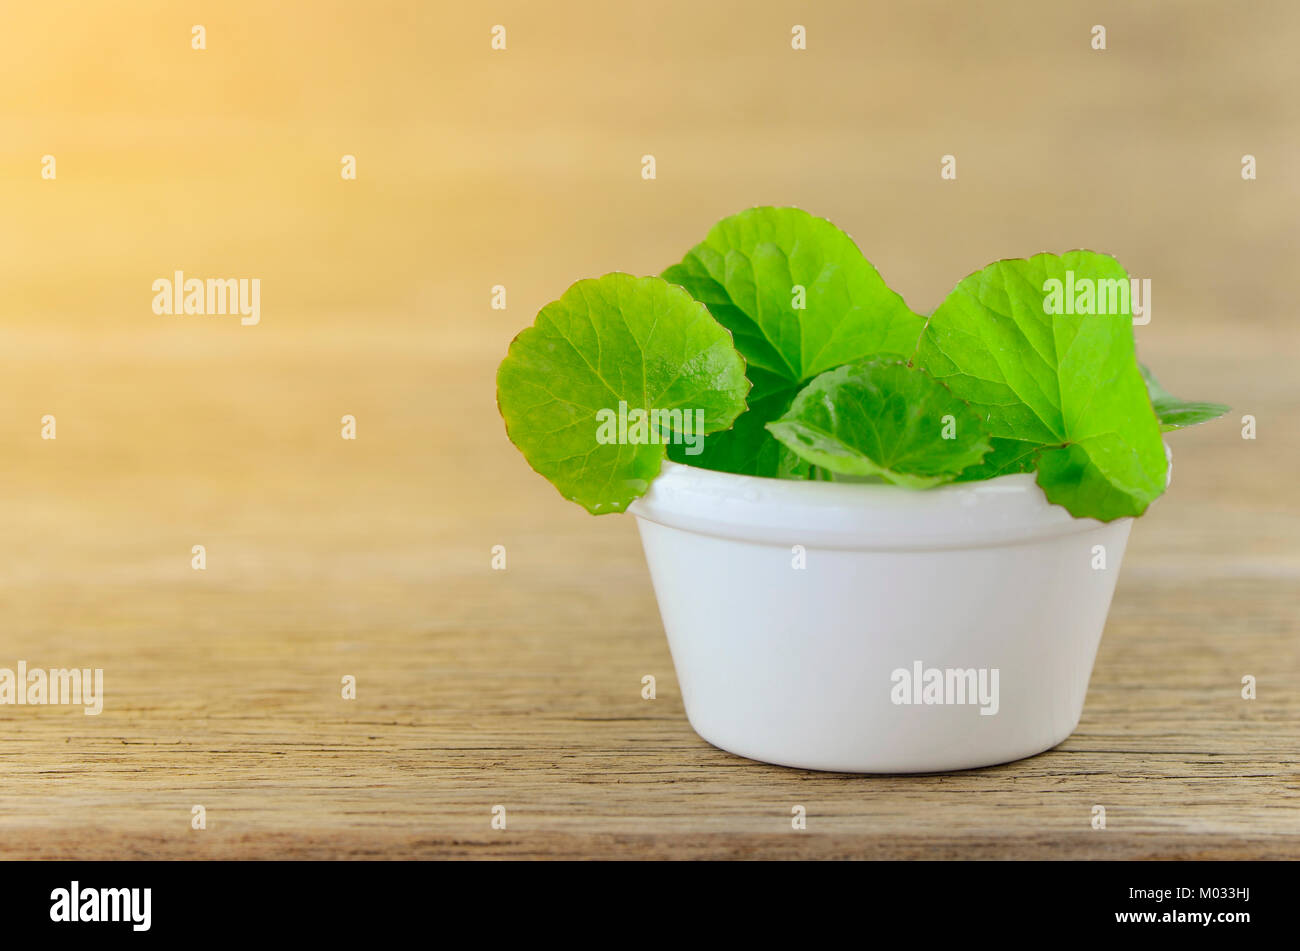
column 522, row 687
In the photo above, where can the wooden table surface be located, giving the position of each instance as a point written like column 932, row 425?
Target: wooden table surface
column 521, row 688
column 371, row 558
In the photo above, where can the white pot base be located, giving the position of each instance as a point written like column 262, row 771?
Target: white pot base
column 808, row 621
column 880, row 768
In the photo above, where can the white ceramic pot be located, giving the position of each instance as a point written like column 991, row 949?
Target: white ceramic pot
column 984, row 585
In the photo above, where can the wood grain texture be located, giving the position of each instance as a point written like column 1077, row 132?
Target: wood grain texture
column 372, row 558
column 522, row 687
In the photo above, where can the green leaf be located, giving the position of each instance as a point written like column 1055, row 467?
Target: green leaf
column 883, row 418
column 1059, row 391
column 1008, row 456
column 747, row 448
column 1175, row 413
column 748, row 271
column 616, row 339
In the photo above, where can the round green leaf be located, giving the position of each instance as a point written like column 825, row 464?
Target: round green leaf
column 883, row 418
column 609, row 349
column 1059, row 387
column 800, row 299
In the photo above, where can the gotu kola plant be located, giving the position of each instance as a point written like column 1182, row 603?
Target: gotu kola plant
column 774, row 348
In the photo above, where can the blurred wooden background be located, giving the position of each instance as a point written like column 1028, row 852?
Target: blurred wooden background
column 522, row 167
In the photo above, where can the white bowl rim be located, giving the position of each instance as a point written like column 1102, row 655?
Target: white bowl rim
column 1009, row 509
